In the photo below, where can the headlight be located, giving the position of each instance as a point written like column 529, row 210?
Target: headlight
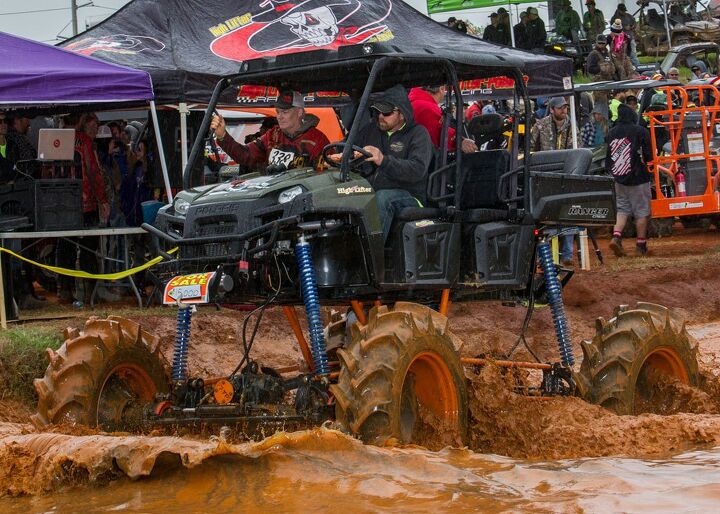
column 571, row 50
column 557, row 48
column 289, row 194
column 181, row 206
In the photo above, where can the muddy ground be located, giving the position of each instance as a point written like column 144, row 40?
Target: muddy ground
column 681, row 273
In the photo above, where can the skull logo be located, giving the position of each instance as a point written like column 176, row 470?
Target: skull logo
column 317, row 26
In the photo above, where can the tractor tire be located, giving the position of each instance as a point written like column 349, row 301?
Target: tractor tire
column 635, row 341
column 102, row 376
column 398, row 368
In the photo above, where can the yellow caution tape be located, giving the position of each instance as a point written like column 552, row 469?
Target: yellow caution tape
column 84, row 274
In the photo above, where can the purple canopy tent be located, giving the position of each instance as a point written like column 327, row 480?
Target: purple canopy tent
column 37, row 75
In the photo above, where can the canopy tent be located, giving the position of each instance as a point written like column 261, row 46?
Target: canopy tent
column 186, row 45
column 34, row 75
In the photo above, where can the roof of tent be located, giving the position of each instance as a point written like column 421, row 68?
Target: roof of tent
column 186, row 45
column 38, row 75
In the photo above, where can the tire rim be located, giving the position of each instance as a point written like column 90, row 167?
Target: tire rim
column 668, row 361
column 430, row 385
column 123, row 395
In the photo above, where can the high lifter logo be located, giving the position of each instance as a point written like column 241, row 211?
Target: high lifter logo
column 283, row 25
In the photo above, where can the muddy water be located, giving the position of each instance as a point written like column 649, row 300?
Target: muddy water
column 323, row 470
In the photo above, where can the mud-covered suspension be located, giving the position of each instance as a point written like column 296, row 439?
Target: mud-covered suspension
column 554, row 294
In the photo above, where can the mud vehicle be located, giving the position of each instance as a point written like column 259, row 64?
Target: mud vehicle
column 686, row 55
column 577, row 50
column 685, row 25
column 305, row 238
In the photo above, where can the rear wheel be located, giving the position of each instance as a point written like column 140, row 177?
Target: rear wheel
column 630, row 348
column 402, row 379
column 104, row 376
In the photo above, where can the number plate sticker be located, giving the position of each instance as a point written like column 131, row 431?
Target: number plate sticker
column 188, row 289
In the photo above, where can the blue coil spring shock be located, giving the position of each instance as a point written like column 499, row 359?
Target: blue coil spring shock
column 554, row 293
column 309, row 289
column 182, row 341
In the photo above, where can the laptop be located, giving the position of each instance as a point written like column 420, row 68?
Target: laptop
column 56, row 145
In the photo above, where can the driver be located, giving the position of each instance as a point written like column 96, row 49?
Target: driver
column 293, row 143
column 400, row 153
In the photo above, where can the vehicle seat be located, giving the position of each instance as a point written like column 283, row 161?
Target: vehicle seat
column 486, row 128
column 479, row 199
column 569, row 162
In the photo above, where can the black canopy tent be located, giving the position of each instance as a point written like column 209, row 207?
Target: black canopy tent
column 187, row 45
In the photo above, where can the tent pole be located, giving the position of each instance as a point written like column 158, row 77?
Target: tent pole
column 184, row 111
column 573, row 121
column 667, row 26
column 512, row 31
column 161, row 151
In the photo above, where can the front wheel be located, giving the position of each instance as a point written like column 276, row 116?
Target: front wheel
column 401, row 379
column 104, row 376
column 619, row 363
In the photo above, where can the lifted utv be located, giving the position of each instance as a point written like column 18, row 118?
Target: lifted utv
column 302, row 237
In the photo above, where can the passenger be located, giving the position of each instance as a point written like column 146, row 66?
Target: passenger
column 293, row 143
column 400, row 150
column 427, row 112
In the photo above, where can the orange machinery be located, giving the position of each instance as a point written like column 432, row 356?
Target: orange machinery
column 690, row 121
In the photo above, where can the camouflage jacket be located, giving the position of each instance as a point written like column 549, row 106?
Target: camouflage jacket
column 546, row 136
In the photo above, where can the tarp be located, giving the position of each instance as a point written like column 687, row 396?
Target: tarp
column 186, row 45
column 36, row 75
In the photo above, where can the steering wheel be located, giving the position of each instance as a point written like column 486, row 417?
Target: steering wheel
column 340, row 145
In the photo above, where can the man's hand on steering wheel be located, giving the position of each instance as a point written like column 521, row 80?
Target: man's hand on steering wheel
column 334, row 158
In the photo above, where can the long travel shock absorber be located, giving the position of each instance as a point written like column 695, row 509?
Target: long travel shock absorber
column 309, row 289
column 182, row 341
column 554, row 293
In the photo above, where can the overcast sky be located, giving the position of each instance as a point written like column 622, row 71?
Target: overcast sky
column 45, row 26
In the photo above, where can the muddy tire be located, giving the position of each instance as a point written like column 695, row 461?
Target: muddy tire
column 636, row 341
column 101, row 376
column 397, row 370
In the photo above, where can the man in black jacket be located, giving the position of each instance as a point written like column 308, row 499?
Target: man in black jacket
column 401, row 152
column 629, row 151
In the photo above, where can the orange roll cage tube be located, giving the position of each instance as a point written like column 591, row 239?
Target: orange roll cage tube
column 292, row 317
column 672, row 119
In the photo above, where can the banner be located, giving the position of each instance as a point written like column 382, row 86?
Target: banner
column 438, row 6
column 187, row 45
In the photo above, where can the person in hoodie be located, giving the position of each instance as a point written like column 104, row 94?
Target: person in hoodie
column 400, row 150
column 294, row 142
column 426, row 111
column 629, row 151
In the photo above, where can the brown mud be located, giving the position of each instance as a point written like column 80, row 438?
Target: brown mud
column 681, row 273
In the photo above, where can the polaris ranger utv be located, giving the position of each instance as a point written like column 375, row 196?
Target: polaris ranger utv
column 306, row 238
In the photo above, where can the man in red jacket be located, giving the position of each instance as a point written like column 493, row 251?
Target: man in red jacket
column 426, row 110
column 293, row 143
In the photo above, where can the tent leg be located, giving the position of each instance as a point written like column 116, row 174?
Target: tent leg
column 184, row 111
column 573, row 121
column 161, row 152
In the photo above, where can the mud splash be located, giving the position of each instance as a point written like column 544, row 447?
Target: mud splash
column 322, row 469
